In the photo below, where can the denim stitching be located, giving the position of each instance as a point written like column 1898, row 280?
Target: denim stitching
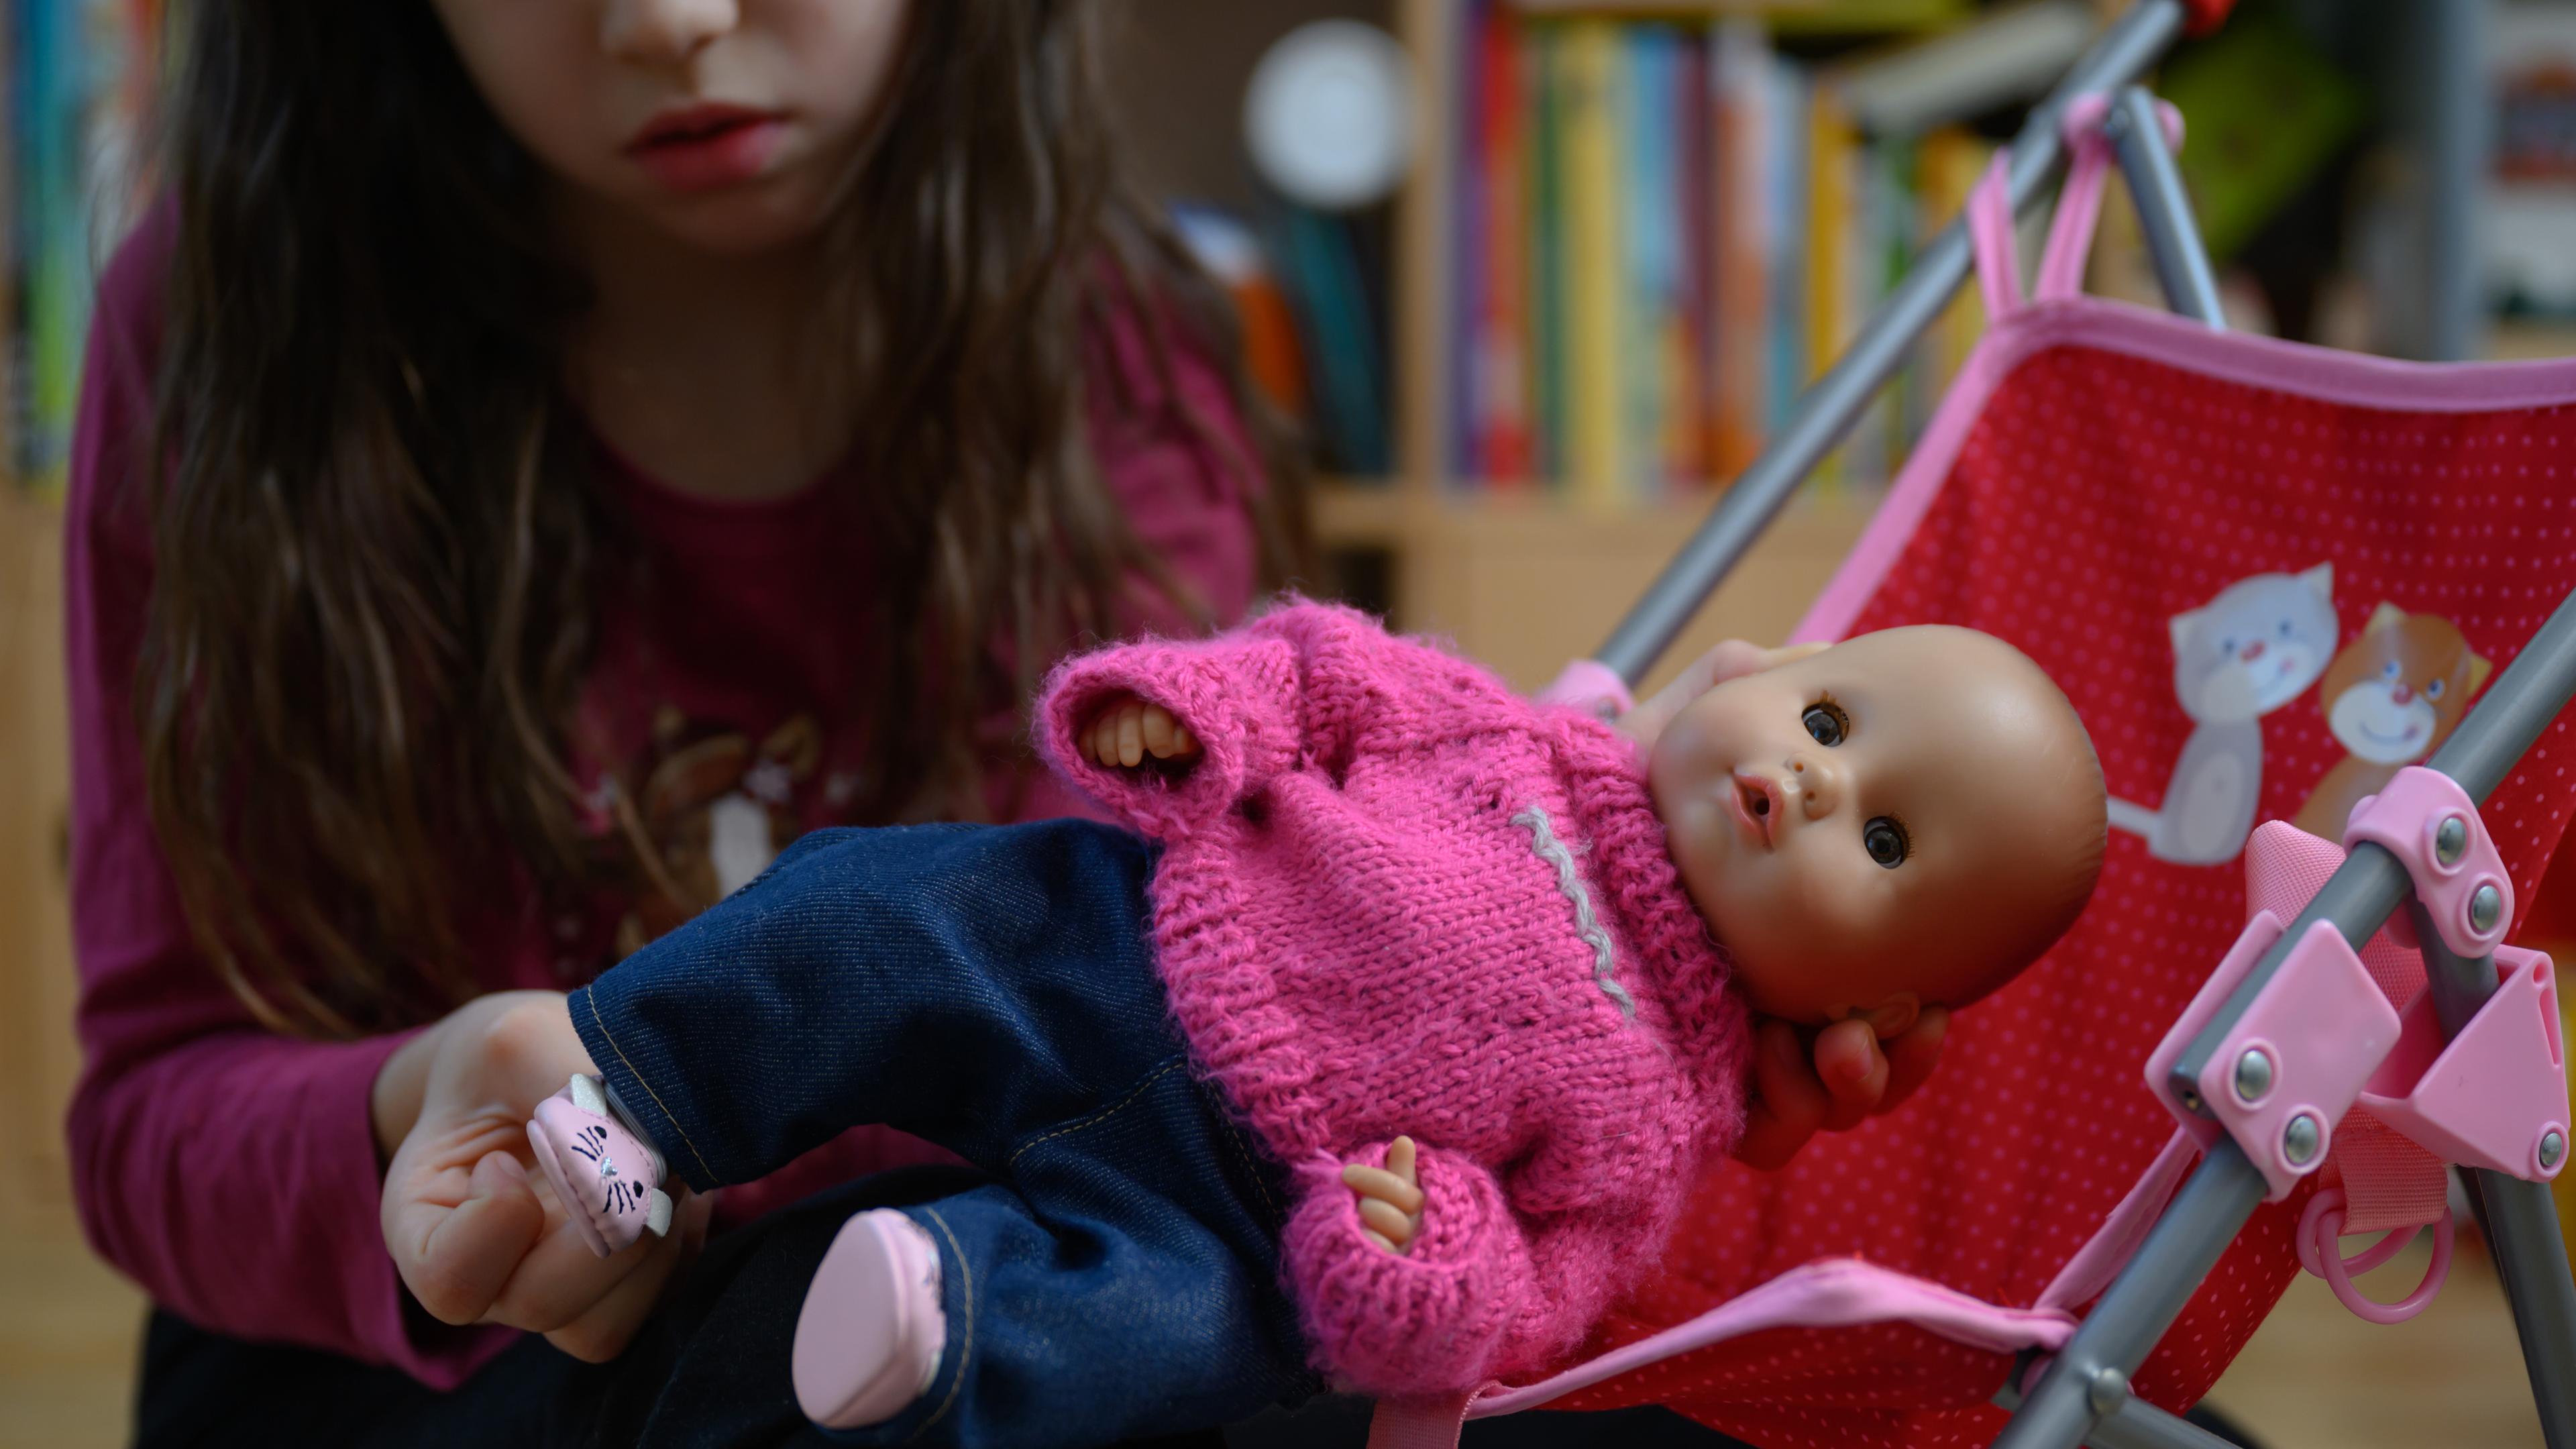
column 966, row 1346
column 591, row 1000
column 1234, row 1139
column 1097, row 1118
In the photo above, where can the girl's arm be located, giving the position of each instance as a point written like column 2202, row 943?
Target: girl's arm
column 230, row 1171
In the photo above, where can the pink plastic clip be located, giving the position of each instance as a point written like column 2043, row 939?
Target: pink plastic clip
column 2320, row 1253
column 2295, row 1061
column 2429, row 823
column 2496, row 1096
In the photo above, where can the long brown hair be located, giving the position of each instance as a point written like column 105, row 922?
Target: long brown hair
column 377, row 546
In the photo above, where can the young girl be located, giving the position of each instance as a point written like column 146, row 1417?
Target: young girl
column 540, row 459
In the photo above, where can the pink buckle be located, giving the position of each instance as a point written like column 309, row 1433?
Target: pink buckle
column 2496, row 1096
column 2428, row 822
column 2295, row 1061
column 1592, row 686
column 2320, row 1253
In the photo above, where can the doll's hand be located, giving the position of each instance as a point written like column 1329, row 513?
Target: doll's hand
column 1128, row 730
column 1849, row 1079
column 1732, row 659
column 1390, row 1197
column 477, row 1236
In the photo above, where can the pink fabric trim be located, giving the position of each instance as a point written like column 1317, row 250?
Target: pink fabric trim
column 2116, row 1241
column 2079, row 201
column 1829, row 1293
column 2295, row 368
column 1417, row 1423
column 1990, row 239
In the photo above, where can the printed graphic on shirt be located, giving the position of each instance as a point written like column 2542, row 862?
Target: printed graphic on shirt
column 713, row 810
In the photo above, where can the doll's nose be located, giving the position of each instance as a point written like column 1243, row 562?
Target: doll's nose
column 1819, row 786
column 2403, row 694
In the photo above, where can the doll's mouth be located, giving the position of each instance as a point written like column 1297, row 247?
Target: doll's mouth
column 1757, row 805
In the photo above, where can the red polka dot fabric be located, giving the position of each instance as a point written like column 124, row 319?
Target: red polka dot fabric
column 2098, row 495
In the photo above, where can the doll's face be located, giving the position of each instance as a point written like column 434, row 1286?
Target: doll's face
column 1880, row 825
column 729, row 125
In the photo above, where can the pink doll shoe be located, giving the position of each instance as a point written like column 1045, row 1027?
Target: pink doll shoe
column 609, row 1180
column 869, row 1338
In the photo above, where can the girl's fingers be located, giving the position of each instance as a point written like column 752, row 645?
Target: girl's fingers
column 1789, row 1102
column 561, row 1279
column 1384, row 1218
column 1853, row 1070
column 1911, row 1057
column 1379, row 1183
column 604, row 1330
column 457, row 1235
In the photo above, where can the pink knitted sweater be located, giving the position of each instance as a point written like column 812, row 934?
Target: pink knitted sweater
column 1396, row 898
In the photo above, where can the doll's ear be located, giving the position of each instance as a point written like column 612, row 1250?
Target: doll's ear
column 1893, row 1017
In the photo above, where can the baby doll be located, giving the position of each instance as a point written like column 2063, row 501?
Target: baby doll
column 1400, row 992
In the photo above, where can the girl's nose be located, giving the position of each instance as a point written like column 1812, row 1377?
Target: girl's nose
column 1818, row 783
column 663, row 32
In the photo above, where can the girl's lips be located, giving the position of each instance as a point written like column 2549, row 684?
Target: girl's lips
column 707, row 147
column 1757, row 804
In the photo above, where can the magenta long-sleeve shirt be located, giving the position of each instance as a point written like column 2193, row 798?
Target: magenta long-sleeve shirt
column 233, row 1172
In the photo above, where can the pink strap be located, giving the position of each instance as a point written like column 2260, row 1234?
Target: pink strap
column 2079, row 205
column 1417, row 1423
column 1828, row 1293
column 2116, row 1241
column 1990, row 239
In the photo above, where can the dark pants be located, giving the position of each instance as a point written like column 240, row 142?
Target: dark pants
column 991, row 989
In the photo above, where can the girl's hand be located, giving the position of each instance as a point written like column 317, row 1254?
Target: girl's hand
column 1390, row 1197
column 477, row 1236
column 1732, row 659
column 1848, row 1080
column 1128, row 730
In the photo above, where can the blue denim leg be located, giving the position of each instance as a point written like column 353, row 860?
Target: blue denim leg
column 991, row 989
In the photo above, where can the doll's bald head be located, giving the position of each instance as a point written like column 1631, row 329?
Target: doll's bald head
column 1908, row 818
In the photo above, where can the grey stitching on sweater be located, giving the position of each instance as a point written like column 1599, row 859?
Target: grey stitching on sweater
column 1547, row 847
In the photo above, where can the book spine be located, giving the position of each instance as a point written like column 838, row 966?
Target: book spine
column 1500, row 359
column 1589, row 171
column 1544, row 265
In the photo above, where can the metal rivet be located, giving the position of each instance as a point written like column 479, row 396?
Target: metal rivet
column 2299, row 1140
column 2107, row 1388
column 2451, row 838
column 2552, row 1147
column 2484, row 907
column 2253, row 1077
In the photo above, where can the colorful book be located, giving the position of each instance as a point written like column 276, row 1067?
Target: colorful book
column 1543, row 267
column 1497, row 359
column 1589, row 168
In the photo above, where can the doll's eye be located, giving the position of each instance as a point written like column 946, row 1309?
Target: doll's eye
column 2389, row 669
column 1826, row 721
column 1885, row 841
column 2434, row 689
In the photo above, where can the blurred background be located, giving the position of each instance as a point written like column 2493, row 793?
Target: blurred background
column 1618, row 239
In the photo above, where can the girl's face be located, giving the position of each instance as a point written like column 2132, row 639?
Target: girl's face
column 729, row 124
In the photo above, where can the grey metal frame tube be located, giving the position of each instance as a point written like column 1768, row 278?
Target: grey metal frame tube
column 2520, row 1220
column 2164, row 209
column 2133, row 1424
column 1826, row 410
column 2213, row 1205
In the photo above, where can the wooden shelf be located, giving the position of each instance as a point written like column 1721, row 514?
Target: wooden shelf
column 1525, row 580
column 1794, row 17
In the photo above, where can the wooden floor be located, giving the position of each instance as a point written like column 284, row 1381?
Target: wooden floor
column 2314, row 1377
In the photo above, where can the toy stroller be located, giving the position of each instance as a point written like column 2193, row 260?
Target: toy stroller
column 2274, row 580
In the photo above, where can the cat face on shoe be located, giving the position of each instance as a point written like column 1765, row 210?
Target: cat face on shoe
column 1909, row 817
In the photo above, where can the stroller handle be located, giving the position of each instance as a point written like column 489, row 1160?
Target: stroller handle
column 1827, row 409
